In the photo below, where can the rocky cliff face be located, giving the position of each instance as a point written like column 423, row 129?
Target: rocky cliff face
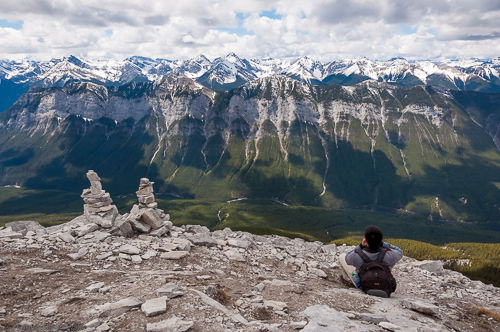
column 77, row 276
column 273, row 137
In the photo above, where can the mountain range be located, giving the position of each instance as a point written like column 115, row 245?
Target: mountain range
column 230, row 71
column 408, row 137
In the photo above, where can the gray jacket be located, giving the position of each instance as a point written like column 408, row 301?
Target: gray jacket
column 392, row 256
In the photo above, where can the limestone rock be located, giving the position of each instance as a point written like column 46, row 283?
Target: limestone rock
column 8, row 233
column 24, row 226
column 329, row 249
column 173, row 324
column 203, row 239
column 431, row 266
column 239, row 243
column 139, row 226
column 174, row 255
column 150, row 253
column 182, row 244
column 85, row 229
column 160, row 231
column 37, row 270
column 169, row 290
column 275, row 305
column 66, row 237
column 234, row 255
column 48, row 311
column 123, row 227
column 318, row 272
column 136, row 259
column 119, row 307
column 155, row 307
column 95, row 287
column 298, row 325
column 150, row 218
column 390, row 327
column 129, row 249
column 421, row 306
column 325, row 319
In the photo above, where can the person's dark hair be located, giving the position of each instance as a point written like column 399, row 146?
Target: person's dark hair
column 374, row 237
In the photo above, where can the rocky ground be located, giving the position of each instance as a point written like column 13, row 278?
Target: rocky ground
column 78, row 277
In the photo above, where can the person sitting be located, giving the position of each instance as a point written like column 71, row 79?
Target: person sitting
column 369, row 265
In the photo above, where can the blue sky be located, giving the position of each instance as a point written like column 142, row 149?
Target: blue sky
column 324, row 29
column 17, row 25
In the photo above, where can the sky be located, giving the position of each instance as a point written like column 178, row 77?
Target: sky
column 322, row 29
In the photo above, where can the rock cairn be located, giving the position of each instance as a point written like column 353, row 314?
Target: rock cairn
column 145, row 217
column 98, row 208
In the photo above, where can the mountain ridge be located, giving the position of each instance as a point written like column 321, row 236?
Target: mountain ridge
column 230, row 71
column 370, row 146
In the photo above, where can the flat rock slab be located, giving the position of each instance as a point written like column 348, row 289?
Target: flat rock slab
column 390, row 327
column 173, row 324
column 239, row 243
column 203, row 239
column 119, row 307
column 420, row 306
column 169, row 290
column 37, row 270
column 431, row 266
column 325, row 319
column 174, row 254
column 155, row 307
column 129, row 249
column 66, row 237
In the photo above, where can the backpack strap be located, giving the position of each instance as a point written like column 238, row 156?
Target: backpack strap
column 366, row 259
column 363, row 256
column 381, row 255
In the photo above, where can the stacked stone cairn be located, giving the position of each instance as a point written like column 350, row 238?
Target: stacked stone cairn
column 145, row 217
column 98, row 208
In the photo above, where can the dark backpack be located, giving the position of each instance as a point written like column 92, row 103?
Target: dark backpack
column 375, row 276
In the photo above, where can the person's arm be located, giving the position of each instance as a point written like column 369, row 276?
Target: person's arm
column 393, row 255
column 351, row 257
column 390, row 246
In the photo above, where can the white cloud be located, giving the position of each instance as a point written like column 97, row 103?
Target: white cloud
column 321, row 28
